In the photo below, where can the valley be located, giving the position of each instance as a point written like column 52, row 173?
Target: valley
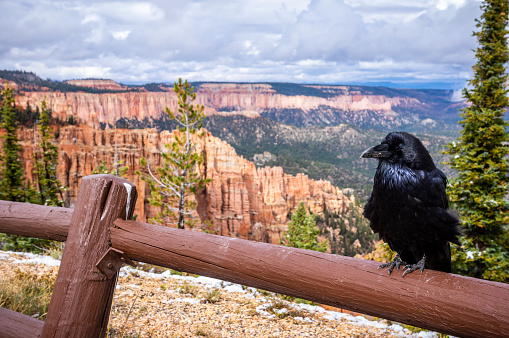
column 283, row 143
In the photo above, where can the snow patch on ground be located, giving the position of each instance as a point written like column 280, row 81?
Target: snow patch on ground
column 30, row 258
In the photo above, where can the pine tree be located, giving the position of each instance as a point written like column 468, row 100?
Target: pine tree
column 178, row 177
column 13, row 186
column 479, row 155
column 46, row 160
column 12, row 180
column 302, row 231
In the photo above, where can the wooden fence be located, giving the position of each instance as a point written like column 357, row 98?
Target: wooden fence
column 99, row 239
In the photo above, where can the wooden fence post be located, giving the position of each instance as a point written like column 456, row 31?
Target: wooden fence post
column 82, row 296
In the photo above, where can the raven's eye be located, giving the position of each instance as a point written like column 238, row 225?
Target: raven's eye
column 398, row 147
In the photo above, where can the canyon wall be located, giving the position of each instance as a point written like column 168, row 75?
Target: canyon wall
column 218, row 98
column 241, row 200
column 99, row 84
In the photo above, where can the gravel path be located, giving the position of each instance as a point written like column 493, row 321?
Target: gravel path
column 148, row 304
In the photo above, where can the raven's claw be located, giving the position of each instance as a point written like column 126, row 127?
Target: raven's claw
column 396, row 262
column 412, row 267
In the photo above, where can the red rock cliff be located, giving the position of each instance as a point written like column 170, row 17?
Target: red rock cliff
column 242, row 201
column 247, row 99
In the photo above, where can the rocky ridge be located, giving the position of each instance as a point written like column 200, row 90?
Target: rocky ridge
column 309, row 105
column 99, row 84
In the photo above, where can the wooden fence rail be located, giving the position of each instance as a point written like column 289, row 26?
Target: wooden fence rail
column 33, row 220
column 81, row 300
column 439, row 301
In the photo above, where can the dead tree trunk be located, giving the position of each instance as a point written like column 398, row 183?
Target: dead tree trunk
column 81, row 301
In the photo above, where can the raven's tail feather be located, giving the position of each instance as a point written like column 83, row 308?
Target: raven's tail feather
column 440, row 260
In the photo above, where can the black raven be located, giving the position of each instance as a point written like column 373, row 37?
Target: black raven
column 408, row 205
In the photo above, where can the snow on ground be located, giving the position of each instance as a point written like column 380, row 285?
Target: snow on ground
column 212, row 283
column 30, row 258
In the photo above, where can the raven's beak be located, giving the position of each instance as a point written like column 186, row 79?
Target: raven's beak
column 379, row 151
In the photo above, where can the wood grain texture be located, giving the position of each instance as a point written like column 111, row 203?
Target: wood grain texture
column 81, row 300
column 16, row 325
column 31, row 220
column 438, row 301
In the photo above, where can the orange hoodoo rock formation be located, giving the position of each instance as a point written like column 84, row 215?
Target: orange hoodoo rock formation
column 241, row 200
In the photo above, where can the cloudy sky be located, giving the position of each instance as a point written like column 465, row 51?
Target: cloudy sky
column 304, row 41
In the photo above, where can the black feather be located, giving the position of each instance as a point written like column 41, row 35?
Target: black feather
column 408, row 207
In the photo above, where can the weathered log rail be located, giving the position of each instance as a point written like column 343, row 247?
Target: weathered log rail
column 434, row 300
column 443, row 302
column 33, row 220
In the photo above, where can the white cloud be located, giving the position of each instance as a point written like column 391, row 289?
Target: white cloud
column 95, row 36
column 133, row 12
column 457, row 95
column 251, row 40
column 91, row 18
column 74, row 71
column 444, row 4
column 25, row 53
column 120, row 35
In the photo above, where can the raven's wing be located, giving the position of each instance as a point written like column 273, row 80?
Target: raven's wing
column 369, row 208
column 429, row 193
column 438, row 187
column 429, row 189
column 370, row 213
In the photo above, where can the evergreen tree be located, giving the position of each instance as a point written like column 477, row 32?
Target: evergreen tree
column 302, row 231
column 13, row 186
column 11, row 170
column 178, row 176
column 479, row 155
column 46, row 160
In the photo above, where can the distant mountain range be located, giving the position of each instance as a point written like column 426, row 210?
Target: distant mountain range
column 319, row 130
